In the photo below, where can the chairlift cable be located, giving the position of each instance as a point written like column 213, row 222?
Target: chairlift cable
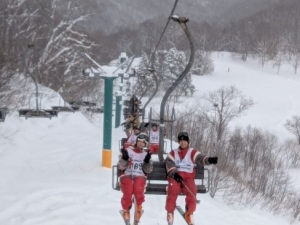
column 152, row 96
column 152, row 58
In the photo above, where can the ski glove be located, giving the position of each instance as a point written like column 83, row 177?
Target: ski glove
column 125, row 155
column 213, row 160
column 177, row 177
column 147, row 157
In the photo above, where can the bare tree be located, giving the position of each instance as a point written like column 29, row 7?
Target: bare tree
column 11, row 88
column 220, row 108
column 293, row 126
column 49, row 26
column 224, row 105
column 278, row 61
column 290, row 154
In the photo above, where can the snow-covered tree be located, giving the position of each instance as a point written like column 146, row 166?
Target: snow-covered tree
column 10, row 54
column 174, row 64
column 203, row 64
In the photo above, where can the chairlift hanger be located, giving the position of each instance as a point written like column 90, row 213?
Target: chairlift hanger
column 182, row 22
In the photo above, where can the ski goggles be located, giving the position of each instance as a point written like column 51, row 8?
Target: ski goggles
column 143, row 137
column 183, row 134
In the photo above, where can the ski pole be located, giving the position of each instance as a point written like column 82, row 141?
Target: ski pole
column 189, row 190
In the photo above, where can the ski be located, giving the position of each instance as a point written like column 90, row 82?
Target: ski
column 181, row 212
column 135, row 221
column 170, row 218
column 127, row 222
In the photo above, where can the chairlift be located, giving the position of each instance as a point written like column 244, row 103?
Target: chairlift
column 3, row 112
column 64, row 108
column 38, row 112
column 82, row 103
column 95, row 110
column 157, row 180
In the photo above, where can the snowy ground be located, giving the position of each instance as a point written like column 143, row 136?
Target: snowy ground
column 51, row 169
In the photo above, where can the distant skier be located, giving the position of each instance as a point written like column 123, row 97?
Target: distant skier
column 154, row 139
column 135, row 164
column 181, row 176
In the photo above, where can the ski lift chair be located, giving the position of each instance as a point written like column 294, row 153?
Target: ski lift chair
column 157, row 180
column 95, row 110
column 89, row 104
column 63, row 109
column 28, row 113
column 42, row 113
column 82, row 103
column 75, row 107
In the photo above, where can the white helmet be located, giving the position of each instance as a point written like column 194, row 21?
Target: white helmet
column 143, row 137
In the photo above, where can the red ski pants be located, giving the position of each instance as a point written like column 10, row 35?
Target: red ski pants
column 154, row 148
column 131, row 187
column 175, row 188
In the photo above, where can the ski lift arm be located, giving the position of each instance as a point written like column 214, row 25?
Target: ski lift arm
column 182, row 23
column 92, row 60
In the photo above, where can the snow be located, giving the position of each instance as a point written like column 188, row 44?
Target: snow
column 51, row 169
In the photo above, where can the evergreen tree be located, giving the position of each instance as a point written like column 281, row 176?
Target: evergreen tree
column 174, row 64
column 202, row 63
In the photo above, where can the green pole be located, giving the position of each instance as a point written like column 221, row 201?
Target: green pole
column 119, row 108
column 118, row 111
column 107, row 125
column 122, row 81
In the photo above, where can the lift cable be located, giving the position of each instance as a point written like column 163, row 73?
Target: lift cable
column 152, row 58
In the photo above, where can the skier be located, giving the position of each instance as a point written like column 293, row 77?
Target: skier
column 181, row 173
column 154, row 139
column 134, row 164
column 131, row 140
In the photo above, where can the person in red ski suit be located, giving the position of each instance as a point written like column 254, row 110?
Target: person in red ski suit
column 131, row 140
column 134, row 164
column 180, row 164
column 154, row 139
